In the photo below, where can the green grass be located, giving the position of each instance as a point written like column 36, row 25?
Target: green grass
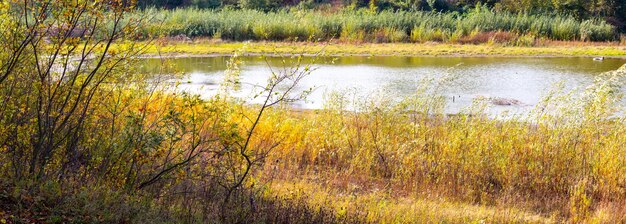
column 366, row 26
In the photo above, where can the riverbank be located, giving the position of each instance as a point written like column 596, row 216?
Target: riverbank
column 207, row 48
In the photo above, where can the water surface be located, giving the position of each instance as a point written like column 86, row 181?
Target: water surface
column 522, row 79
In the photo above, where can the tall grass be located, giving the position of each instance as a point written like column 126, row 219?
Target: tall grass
column 564, row 160
column 366, row 26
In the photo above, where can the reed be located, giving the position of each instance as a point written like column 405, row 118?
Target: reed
column 367, row 26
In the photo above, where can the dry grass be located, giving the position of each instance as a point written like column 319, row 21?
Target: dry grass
column 562, row 163
column 379, row 206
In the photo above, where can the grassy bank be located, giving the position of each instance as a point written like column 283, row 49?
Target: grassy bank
column 560, row 164
column 480, row 25
column 209, row 47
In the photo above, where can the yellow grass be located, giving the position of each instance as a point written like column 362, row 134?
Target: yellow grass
column 208, row 47
column 378, row 206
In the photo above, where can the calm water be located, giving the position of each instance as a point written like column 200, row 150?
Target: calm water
column 522, row 79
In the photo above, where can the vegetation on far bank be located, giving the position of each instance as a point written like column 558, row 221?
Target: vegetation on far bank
column 612, row 11
column 204, row 47
column 479, row 25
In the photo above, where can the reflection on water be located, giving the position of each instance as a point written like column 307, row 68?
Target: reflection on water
column 521, row 79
